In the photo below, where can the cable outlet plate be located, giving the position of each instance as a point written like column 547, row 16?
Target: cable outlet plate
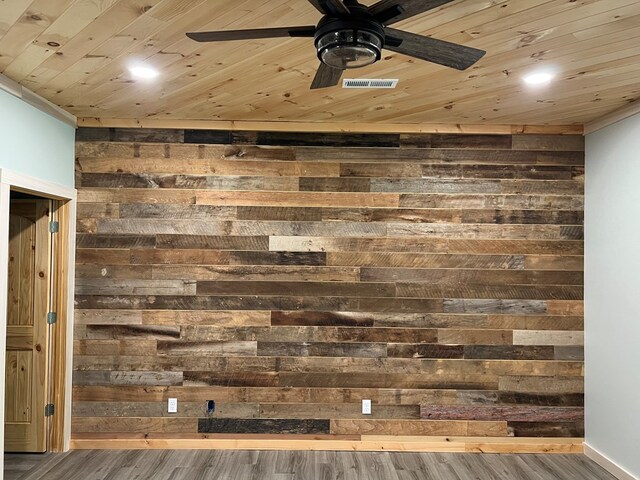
column 172, row 405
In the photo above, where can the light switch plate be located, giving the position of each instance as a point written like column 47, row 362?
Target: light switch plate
column 366, row 407
column 172, row 405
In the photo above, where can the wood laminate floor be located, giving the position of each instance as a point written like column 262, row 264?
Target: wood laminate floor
column 290, row 465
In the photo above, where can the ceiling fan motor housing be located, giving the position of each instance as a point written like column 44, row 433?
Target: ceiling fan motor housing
column 351, row 42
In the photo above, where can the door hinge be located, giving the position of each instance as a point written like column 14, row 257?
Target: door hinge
column 52, row 317
column 54, row 227
column 49, row 409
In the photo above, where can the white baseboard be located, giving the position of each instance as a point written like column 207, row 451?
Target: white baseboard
column 608, row 464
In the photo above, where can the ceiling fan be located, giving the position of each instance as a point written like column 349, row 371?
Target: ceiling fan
column 351, row 35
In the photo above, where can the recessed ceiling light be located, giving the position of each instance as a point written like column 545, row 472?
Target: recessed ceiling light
column 146, row 73
column 538, row 78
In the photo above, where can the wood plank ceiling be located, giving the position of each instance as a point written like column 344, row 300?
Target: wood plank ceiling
column 76, row 52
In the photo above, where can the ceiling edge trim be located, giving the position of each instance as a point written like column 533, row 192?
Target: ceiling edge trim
column 610, row 118
column 332, row 127
column 35, row 100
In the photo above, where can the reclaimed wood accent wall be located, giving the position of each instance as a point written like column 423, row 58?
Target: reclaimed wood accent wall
column 289, row 276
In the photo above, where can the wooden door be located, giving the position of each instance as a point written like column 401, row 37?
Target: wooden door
column 27, row 328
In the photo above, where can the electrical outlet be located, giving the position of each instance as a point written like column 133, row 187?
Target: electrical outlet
column 172, row 405
column 366, row 407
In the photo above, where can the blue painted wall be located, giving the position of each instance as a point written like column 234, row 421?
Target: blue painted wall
column 34, row 143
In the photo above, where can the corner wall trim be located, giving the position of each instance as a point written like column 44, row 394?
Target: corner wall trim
column 35, row 100
column 613, row 117
column 367, row 443
column 608, row 464
column 330, row 127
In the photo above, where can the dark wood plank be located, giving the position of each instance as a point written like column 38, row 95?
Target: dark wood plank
column 262, row 425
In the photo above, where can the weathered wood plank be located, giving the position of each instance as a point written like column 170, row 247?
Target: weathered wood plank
column 541, row 384
column 242, row 348
column 384, row 262
column 479, row 231
column 369, row 289
column 134, row 424
column 108, row 286
column 438, row 155
column 549, row 142
column 226, row 242
column 322, row 184
column 491, row 201
column 422, row 245
column 297, row 199
column 423, row 427
column 317, row 319
column 145, row 226
column 521, row 307
column 253, row 273
column 478, row 276
column 518, row 413
column 509, row 352
column 502, row 142
column 201, row 181
column 421, row 290
column 547, row 337
column 424, row 350
column 103, row 255
column 263, row 425
column 314, row 349
column 115, row 241
column 546, row 429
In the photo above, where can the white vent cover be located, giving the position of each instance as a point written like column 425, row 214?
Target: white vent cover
column 369, row 82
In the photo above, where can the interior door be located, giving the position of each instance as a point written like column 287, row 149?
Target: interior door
column 27, row 328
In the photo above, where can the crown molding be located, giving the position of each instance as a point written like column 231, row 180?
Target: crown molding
column 329, row 127
column 35, row 100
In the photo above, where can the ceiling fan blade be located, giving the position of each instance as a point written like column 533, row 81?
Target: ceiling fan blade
column 392, row 11
column 431, row 49
column 252, row 34
column 326, row 76
column 330, row 7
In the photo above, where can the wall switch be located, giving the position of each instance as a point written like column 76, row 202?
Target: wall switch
column 366, row 407
column 172, row 405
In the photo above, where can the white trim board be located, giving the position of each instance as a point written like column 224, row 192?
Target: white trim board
column 11, row 180
column 41, row 103
column 608, row 464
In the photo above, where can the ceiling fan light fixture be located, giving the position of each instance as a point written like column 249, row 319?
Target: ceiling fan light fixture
column 349, row 42
column 344, row 49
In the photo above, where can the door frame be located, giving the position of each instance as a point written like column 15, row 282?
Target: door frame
column 59, row 432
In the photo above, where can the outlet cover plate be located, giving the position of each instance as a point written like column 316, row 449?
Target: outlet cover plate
column 366, row 407
column 172, row 405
